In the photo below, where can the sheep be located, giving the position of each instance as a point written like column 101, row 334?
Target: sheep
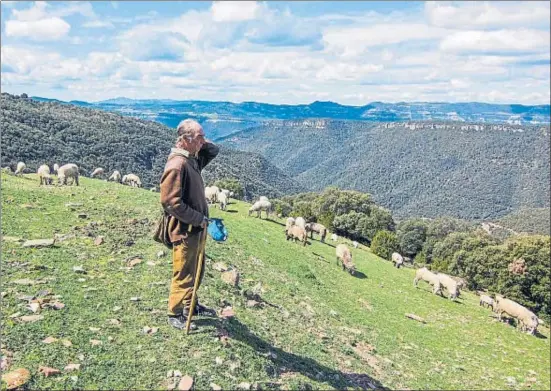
column 67, row 171
column 97, row 172
column 334, row 237
column 289, row 223
column 132, row 180
column 461, row 283
column 398, row 260
column 428, row 276
column 318, row 228
column 526, row 318
column 260, row 206
column 211, row 194
column 223, row 200
column 355, row 244
column 20, row 168
column 344, row 258
column 450, row 284
column 300, row 222
column 226, row 192
column 44, row 175
column 485, row 299
column 115, row 176
column 263, row 198
column 7, row 170
column 56, row 167
column 232, row 194
column 296, row 232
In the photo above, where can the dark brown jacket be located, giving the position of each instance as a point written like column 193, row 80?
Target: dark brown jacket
column 183, row 189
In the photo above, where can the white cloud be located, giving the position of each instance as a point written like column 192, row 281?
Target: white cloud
column 40, row 30
column 496, row 41
column 234, row 11
column 98, row 24
column 468, row 15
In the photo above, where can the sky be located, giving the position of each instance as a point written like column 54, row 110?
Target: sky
column 351, row 53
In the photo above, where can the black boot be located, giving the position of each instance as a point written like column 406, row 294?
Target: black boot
column 179, row 322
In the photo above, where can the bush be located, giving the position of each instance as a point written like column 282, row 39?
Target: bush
column 384, row 244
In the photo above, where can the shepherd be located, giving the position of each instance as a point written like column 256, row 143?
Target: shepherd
column 183, row 200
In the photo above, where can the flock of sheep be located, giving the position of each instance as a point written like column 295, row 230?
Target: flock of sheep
column 298, row 229
column 71, row 171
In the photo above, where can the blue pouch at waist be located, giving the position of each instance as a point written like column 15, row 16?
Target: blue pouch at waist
column 216, row 230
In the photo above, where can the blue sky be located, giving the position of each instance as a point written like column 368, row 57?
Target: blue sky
column 278, row 52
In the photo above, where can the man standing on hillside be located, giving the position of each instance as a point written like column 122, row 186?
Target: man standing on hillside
column 183, row 199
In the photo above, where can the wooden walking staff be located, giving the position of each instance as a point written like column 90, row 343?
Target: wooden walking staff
column 197, row 277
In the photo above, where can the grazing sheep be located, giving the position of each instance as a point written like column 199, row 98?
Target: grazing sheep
column 317, row 228
column 56, row 167
column 428, row 276
column 461, row 283
column 232, row 194
column 226, row 192
column 526, row 318
column 289, row 223
column 44, row 175
column 334, row 237
column 300, row 222
column 211, row 194
column 296, row 232
column 97, row 172
column 20, row 168
column 398, row 260
column 263, row 198
column 344, row 258
column 222, row 200
column 450, row 284
column 115, row 176
column 260, row 206
column 485, row 299
column 355, row 244
column 67, row 171
column 132, row 180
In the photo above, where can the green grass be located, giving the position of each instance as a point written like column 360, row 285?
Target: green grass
column 325, row 329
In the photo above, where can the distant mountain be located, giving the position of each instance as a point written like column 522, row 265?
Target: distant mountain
column 49, row 132
column 474, row 171
column 222, row 118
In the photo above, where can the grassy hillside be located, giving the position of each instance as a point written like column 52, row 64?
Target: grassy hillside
column 322, row 328
column 51, row 132
column 530, row 220
column 428, row 169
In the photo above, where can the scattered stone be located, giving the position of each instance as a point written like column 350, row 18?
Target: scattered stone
column 135, row 299
column 161, row 254
column 333, row 313
column 94, row 329
column 49, row 340
column 415, row 317
column 34, row 307
column 79, row 269
column 24, row 281
column 227, row 313
column 150, row 330
column 16, row 378
column 185, row 383
column 47, row 371
column 215, row 387
column 253, row 304
column 231, row 278
column 12, row 239
column 219, row 266
column 95, row 342
column 5, row 361
column 98, row 241
column 219, row 360
column 73, row 204
column 72, row 367
column 82, row 216
column 16, row 315
column 31, row 318
column 81, row 280
column 66, row 343
column 62, row 238
column 244, row 386
column 115, row 309
column 38, row 243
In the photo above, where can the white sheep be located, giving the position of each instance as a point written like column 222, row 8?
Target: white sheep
column 154, row 188
column 461, row 283
column 289, row 223
column 67, row 171
column 263, row 198
column 44, row 175
column 398, row 260
column 450, row 284
column 485, row 299
column 428, row 276
column 97, row 172
column 115, row 176
column 526, row 318
column 301, row 222
column 211, row 194
column 334, row 237
column 132, row 180
column 260, row 206
column 56, row 167
column 20, row 168
column 344, row 258
column 355, row 244
column 317, row 228
column 226, row 192
column 296, row 232
column 222, row 200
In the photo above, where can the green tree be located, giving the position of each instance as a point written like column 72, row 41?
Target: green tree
column 384, row 244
